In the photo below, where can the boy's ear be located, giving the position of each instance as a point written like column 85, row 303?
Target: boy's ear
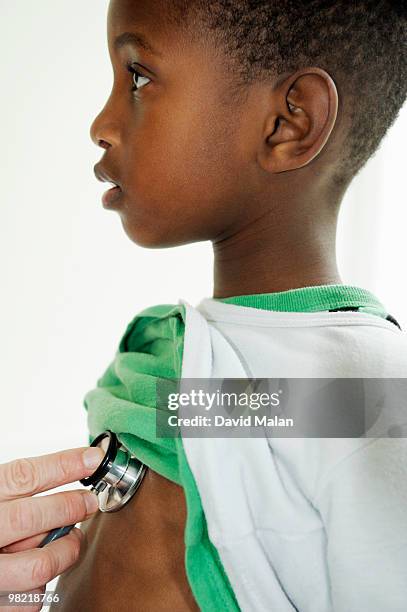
column 303, row 113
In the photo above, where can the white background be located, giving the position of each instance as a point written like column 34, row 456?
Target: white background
column 71, row 280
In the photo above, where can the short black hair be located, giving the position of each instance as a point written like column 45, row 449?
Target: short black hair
column 360, row 43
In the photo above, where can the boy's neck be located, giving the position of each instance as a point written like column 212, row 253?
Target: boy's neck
column 266, row 256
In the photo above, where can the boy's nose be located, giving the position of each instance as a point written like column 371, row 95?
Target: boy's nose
column 95, row 130
column 104, row 131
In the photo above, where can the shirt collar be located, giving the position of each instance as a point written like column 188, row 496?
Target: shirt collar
column 312, row 299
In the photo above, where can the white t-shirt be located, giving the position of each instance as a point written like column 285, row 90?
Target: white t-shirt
column 308, row 524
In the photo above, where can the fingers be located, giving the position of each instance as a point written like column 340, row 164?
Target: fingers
column 28, row 476
column 22, row 518
column 26, row 544
column 31, row 569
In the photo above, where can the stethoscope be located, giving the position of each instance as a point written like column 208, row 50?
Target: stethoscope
column 114, row 481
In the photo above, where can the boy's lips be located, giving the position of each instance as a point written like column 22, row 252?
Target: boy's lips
column 110, row 196
column 104, row 176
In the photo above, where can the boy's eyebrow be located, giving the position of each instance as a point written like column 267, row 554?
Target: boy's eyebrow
column 134, row 38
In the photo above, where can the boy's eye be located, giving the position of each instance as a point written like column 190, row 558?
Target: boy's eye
column 136, row 78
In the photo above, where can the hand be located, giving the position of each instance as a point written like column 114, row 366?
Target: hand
column 25, row 520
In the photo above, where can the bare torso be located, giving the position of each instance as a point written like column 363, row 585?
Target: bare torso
column 132, row 559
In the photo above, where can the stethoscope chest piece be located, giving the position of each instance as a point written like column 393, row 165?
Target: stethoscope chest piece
column 115, row 481
column 118, row 476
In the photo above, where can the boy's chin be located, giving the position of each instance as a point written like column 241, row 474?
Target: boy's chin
column 151, row 237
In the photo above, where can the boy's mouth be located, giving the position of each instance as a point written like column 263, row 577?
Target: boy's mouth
column 104, row 176
column 110, row 196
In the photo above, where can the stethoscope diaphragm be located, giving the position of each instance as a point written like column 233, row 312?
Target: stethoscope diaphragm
column 118, row 476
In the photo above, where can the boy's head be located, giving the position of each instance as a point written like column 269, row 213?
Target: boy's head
column 223, row 111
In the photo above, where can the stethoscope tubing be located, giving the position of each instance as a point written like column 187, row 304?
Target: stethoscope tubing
column 55, row 534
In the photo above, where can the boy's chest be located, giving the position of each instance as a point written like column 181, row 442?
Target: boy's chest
column 133, row 559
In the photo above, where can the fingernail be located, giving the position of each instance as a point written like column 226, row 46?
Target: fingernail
column 79, row 534
column 92, row 457
column 91, row 502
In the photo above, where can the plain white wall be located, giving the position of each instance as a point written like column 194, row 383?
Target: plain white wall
column 71, row 280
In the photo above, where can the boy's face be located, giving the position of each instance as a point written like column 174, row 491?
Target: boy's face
column 176, row 146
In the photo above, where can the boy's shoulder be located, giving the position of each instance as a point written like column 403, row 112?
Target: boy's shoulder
column 158, row 320
column 311, row 344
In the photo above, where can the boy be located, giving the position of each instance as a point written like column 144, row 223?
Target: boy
column 243, row 123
